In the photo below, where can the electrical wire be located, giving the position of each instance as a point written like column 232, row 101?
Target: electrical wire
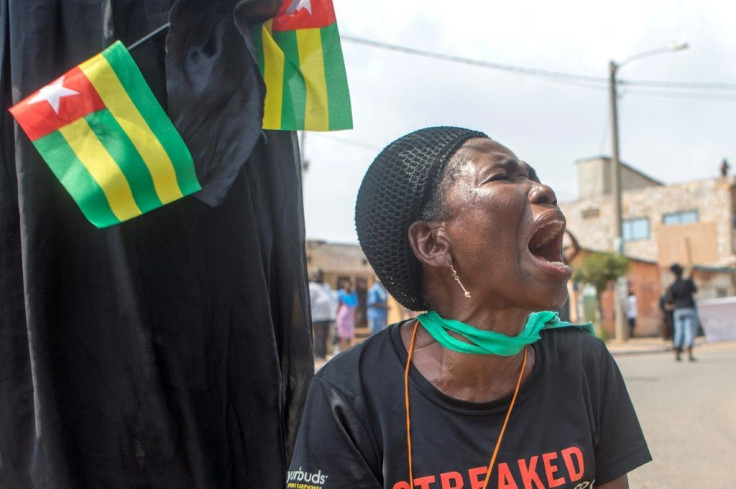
column 694, row 96
column 583, row 81
column 629, row 87
column 474, row 62
column 679, row 85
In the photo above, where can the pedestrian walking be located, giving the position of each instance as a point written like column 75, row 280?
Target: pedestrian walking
column 631, row 312
column 321, row 299
column 680, row 301
column 347, row 302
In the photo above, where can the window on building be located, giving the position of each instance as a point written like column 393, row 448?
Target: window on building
column 683, row 217
column 636, row 229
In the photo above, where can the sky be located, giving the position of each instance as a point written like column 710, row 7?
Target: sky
column 672, row 135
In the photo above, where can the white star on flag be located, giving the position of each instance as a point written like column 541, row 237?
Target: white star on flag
column 297, row 5
column 53, row 93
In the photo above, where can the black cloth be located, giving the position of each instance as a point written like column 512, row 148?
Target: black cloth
column 214, row 89
column 171, row 351
column 680, row 293
column 573, row 423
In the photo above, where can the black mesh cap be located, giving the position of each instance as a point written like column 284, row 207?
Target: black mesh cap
column 395, row 190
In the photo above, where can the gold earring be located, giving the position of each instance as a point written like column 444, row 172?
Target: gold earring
column 457, row 279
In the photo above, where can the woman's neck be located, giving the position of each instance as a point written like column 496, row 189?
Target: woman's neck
column 476, row 378
column 508, row 321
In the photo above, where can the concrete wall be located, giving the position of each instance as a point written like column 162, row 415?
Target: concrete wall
column 594, row 178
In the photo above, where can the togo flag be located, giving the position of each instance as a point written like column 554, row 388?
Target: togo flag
column 300, row 60
column 107, row 139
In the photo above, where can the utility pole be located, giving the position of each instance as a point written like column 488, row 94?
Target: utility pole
column 622, row 332
column 615, row 163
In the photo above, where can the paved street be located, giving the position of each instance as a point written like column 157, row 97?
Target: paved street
column 688, row 413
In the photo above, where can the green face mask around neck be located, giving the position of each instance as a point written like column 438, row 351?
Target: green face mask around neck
column 481, row 342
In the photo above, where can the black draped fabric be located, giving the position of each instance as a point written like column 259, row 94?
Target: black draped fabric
column 173, row 350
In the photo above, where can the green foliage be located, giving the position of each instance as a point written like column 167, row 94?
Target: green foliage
column 600, row 269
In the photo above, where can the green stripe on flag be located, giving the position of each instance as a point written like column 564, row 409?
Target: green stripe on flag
column 134, row 83
column 338, row 96
column 76, row 179
column 295, row 92
column 121, row 149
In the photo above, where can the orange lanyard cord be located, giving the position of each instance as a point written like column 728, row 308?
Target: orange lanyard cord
column 505, row 421
column 408, row 418
column 406, row 401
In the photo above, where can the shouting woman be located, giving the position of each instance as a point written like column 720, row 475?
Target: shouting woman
column 487, row 388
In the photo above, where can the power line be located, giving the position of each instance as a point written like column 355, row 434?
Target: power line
column 696, row 96
column 584, row 81
column 474, row 62
column 579, row 84
column 679, row 85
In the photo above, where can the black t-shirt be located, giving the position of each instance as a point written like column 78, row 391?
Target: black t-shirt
column 573, row 423
column 681, row 293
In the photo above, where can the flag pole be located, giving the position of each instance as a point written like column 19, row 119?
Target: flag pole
column 148, row 36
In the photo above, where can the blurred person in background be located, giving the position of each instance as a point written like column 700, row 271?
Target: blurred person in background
column 347, row 302
column 631, row 312
column 685, row 317
column 377, row 306
column 667, row 325
column 321, row 299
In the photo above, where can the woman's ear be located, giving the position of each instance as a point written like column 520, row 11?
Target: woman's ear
column 430, row 243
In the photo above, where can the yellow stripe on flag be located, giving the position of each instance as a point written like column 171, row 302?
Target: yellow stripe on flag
column 273, row 77
column 116, row 99
column 102, row 167
column 313, row 69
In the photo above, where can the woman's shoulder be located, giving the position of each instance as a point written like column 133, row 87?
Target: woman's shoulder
column 572, row 333
column 570, row 342
column 574, row 355
column 364, row 362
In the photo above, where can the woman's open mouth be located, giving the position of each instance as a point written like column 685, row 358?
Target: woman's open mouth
column 545, row 246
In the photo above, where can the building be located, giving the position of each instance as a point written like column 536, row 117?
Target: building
column 341, row 261
column 690, row 223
